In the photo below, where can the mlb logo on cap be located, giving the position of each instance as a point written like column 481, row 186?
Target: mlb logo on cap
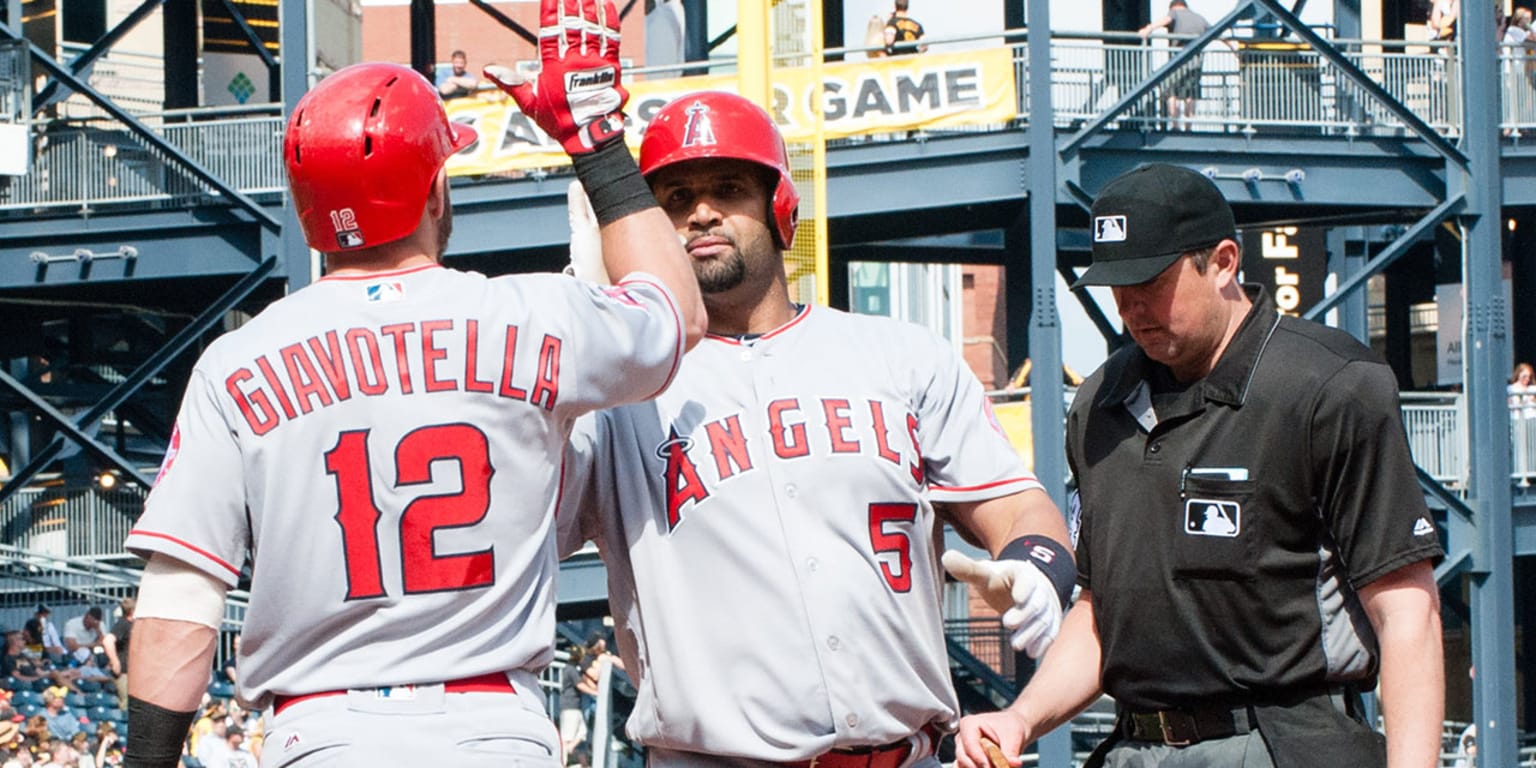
column 1109, row 229
column 1174, row 211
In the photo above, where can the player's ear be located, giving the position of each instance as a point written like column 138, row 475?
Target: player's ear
column 437, row 196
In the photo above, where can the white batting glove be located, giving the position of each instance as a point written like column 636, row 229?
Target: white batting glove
column 586, row 241
column 1021, row 591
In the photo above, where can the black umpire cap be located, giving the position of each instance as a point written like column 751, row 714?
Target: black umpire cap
column 1145, row 219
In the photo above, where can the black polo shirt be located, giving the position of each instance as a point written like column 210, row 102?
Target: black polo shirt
column 1224, row 535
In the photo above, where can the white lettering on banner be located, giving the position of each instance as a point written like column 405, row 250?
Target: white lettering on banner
column 901, row 93
column 1276, row 244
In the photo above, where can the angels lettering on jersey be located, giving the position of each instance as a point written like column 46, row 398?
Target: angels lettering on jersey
column 797, row 429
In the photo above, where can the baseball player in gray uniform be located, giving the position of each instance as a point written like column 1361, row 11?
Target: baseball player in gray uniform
column 770, row 523
column 381, row 450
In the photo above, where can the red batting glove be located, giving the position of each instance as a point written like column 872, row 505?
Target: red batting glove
column 577, row 98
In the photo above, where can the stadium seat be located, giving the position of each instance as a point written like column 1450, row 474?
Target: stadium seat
column 88, row 686
column 219, row 689
column 41, row 684
column 27, row 696
column 102, row 699
column 11, row 683
column 117, row 715
column 76, row 701
column 29, row 709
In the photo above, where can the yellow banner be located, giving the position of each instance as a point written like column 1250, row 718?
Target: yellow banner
column 899, row 93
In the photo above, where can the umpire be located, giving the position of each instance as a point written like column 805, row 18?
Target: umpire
column 1253, row 549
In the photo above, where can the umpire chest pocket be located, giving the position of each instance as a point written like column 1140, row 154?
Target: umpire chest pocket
column 1218, row 530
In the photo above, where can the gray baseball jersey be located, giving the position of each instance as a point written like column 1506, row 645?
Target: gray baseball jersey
column 769, row 532
column 387, row 450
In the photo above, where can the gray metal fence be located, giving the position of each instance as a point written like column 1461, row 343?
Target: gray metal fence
column 1245, row 88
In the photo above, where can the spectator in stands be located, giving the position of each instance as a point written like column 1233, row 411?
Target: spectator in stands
column 42, row 634
column 108, row 750
column 592, row 672
column 39, row 739
column 229, row 663
column 1442, row 19
column 82, row 634
column 902, row 32
column 1182, row 86
column 115, row 644
column 63, row 723
column 214, row 715
column 1522, row 388
column 14, row 662
column 1515, row 34
column 82, row 753
column 457, row 82
column 213, row 747
column 20, row 662
column 573, row 722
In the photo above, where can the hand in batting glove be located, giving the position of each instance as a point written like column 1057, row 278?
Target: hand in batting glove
column 577, row 97
column 586, row 241
column 1021, row 591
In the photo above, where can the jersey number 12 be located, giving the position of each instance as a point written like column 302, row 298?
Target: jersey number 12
column 421, row 569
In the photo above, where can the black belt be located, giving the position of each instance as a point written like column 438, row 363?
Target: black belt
column 1178, row 728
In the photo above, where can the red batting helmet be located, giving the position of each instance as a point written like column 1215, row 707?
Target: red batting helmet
column 720, row 124
column 362, row 149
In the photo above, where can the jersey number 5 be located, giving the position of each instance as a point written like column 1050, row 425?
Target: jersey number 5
column 422, row 569
column 896, row 542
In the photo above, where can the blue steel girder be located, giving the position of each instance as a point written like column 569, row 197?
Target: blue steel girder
column 1326, row 49
column 250, row 34
column 1391, row 253
column 1188, row 51
column 180, row 158
column 70, row 429
column 1340, row 173
column 81, row 63
column 74, row 430
column 168, row 244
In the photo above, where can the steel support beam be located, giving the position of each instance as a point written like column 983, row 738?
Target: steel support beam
column 1419, row 230
column 145, row 134
column 80, row 63
column 151, row 367
column 1046, row 418
column 1486, row 351
column 292, row 35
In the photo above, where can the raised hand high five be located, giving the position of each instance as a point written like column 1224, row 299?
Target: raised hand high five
column 577, row 97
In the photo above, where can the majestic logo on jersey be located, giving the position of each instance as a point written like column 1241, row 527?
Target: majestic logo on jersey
column 1109, row 229
column 1206, row 517
column 698, row 130
column 825, row 427
column 1423, row 527
column 681, row 476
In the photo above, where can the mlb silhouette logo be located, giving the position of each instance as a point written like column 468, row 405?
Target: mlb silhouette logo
column 1213, row 517
column 1109, row 229
column 385, row 292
